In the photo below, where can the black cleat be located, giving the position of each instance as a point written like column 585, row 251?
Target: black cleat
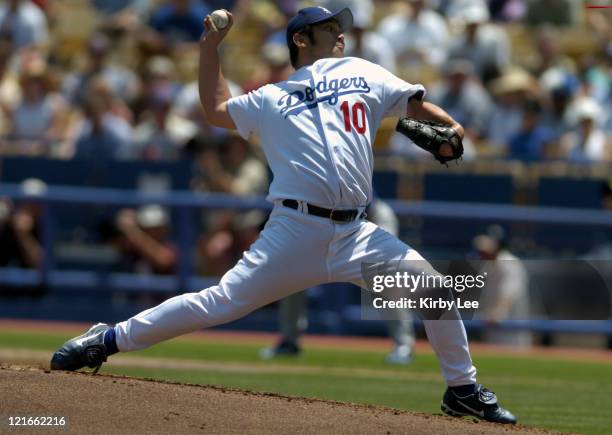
column 85, row 350
column 283, row 349
column 482, row 404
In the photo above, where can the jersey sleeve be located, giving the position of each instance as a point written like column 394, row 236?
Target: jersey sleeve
column 397, row 93
column 245, row 111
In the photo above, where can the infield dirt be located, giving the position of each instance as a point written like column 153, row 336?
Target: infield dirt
column 96, row 404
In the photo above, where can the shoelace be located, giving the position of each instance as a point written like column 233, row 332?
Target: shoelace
column 95, row 356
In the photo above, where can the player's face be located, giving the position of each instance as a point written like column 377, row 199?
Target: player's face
column 328, row 40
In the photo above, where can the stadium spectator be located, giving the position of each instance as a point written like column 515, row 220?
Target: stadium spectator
column 175, row 23
column 232, row 168
column 507, row 10
column 226, row 236
column 598, row 68
column 39, row 120
column 159, row 135
column 531, row 142
column 486, row 45
column 20, row 229
column 104, row 134
column 113, row 7
column 464, row 98
column 417, row 34
column 510, row 92
column 187, row 106
column 559, row 88
column 369, row 45
column 549, row 53
column 158, row 78
column 586, row 142
column 276, row 66
column 554, row 12
column 595, row 79
column 360, row 40
column 229, row 5
column 228, row 167
column 145, row 242
column 23, row 24
column 122, row 15
column 10, row 92
column 99, row 64
column 506, row 292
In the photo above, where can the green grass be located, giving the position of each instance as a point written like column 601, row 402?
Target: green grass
column 550, row 393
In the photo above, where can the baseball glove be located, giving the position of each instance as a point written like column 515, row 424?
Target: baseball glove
column 431, row 136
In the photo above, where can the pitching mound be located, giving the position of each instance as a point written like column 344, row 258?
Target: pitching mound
column 113, row 404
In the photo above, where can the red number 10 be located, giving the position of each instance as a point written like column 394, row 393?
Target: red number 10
column 359, row 117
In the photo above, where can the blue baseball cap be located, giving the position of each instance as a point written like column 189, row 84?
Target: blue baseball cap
column 317, row 14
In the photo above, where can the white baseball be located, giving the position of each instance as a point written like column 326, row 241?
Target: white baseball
column 220, row 18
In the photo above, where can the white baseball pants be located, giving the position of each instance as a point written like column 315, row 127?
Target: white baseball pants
column 294, row 251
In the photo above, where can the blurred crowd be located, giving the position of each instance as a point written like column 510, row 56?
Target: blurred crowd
column 126, row 88
column 116, row 80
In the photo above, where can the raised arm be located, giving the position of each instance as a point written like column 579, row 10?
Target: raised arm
column 214, row 92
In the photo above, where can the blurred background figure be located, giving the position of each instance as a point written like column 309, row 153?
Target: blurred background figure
column 158, row 78
column 39, row 121
column 533, row 139
column 113, row 7
column 99, row 64
column 586, row 141
column 485, row 44
column 362, row 40
column 275, row 66
column 418, row 35
column 510, row 92
column 23, row 24
column 227, row 165
column 122, row 16
column 230, row 167
column 506, row 291
column 555, row 12
column 104, row 134
column 10, row 92
column 160, row 135
column 549, row 52
column 507, row 10
column 174, row 25
column 20, row 232
column 559, row 88
column 145, row 241
column 464, row 97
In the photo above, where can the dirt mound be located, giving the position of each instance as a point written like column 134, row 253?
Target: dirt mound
column 114, row 404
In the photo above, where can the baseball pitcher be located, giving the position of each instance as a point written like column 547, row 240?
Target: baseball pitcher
column 316, row 130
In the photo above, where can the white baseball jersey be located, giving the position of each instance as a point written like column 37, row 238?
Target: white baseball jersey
column 317, row 128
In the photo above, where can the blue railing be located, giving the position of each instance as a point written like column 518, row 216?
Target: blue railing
column 185, row 203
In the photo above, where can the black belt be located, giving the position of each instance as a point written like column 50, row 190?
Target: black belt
column 334, row 215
